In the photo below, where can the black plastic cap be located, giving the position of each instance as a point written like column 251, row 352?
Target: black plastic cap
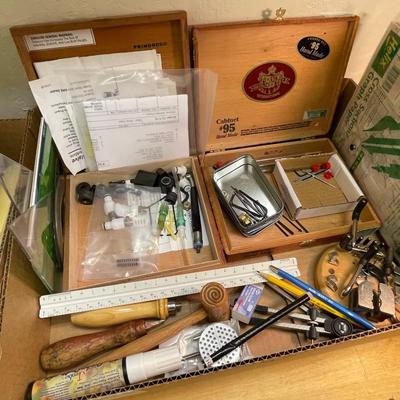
column 28, row 392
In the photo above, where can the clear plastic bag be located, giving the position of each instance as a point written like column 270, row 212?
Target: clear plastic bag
column 121, row 241
column 116, row 84
column 16, row 180
column 35, row 232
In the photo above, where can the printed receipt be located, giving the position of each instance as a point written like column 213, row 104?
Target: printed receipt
column 137, row 131
column 51, row 95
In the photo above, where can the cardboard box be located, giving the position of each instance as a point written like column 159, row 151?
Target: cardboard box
column 24, row 334
column 274, row 100
column 306, row 199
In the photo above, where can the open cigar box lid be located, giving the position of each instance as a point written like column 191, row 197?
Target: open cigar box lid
column 166, row 33
column 278, row 80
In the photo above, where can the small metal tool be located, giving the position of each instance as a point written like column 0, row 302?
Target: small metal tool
column 331, row 282
column 313, row 175
column 316, row 323
column 376, row 303
column 196, row 221
column 213, row 338
column 372, row 250
column 243, row 338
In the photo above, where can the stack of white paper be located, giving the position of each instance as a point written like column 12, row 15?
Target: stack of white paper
column 66, row 83
column 138, row 131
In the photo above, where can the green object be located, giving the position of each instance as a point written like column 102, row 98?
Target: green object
column 180, row 218
column 47, row 166
column 386, row 122
column 382, row 150
column 393, row 170
column 48, row 243
column 357, row 161
column 162, row 216
column 386, row 53
column 382, row 140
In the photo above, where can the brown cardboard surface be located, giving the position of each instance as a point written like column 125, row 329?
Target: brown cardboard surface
column 366, row 369
column 23, row 333
column 11, row 129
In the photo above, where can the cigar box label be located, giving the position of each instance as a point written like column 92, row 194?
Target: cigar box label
column 57, row 40
column 314, row 114
column 269, row 81
column 227, row 126
column 313, row 48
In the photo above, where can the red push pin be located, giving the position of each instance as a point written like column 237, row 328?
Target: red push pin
column 218, row 164
column 326, row 165
column 315, row 167
column 328, row 175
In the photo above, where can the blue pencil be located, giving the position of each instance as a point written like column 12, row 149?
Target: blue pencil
column 307, row 288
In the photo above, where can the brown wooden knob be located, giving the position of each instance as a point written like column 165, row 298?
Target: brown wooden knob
column 215, row 300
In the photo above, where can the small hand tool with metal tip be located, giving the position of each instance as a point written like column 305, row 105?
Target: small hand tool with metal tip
column 317, row 323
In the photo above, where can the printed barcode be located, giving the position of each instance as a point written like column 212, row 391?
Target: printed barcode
column 392, row 75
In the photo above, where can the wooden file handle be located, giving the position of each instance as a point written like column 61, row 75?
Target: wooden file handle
column 72, row 351
column 157, row 309
column 153, row 338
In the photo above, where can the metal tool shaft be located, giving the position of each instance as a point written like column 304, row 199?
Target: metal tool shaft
column 373, row 249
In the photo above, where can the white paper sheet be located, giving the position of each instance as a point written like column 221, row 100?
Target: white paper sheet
column 99, row 62
column 59, row 98
column 50, row 96
column 138, row 130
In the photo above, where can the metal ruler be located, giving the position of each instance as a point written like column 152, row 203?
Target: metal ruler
column 153, row 289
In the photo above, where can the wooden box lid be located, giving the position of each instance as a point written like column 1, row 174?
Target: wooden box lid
column 277, row 80
column 167, row 33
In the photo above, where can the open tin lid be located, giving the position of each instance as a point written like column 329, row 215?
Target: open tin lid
column 278, row 80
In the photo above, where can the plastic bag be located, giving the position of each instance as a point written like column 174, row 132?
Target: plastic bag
column 121, row 242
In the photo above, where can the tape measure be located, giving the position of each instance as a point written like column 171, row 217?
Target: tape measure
column 153, row 289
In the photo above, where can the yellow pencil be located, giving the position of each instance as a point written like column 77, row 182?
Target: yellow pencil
column 298, row 292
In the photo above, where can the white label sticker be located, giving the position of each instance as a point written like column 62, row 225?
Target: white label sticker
column 54, row 40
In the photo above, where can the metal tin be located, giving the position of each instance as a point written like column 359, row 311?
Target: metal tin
column 244, row 175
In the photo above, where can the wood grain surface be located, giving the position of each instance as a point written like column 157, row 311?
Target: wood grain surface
column 326, row 226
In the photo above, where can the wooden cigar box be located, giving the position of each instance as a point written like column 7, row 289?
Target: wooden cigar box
column 279, row 83
column 167, row 33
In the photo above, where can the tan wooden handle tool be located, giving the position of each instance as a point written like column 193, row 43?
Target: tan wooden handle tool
column 70, row 352
column 153, row 338
column 215, row 299
column 116, row 315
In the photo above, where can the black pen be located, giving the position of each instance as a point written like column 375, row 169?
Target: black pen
column 196, row 222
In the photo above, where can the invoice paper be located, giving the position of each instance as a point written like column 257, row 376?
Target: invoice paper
column 137, row 131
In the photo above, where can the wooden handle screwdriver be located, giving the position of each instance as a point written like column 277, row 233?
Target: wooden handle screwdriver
column 158, row 309
column 72, row 351
column 153, row 338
